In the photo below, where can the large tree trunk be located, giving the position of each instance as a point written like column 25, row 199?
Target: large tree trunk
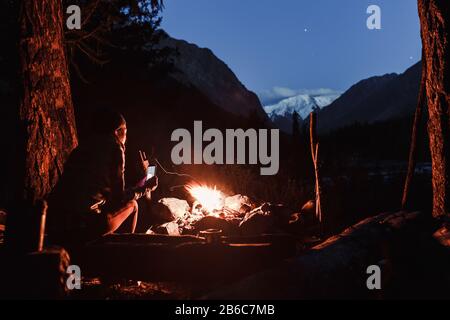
column 435, row 25
column 46, row 110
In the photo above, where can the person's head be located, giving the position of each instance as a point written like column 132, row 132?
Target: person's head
column 110, row 122
column 121, row 133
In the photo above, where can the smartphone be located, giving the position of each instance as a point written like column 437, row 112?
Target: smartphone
column 150, row 172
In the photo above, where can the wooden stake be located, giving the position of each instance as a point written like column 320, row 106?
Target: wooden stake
column 414, row 135
column 315, row 158
column 42, row 209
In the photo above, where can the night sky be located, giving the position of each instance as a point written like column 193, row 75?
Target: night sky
column 299, row 44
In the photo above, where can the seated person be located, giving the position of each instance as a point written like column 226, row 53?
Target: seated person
column 90, row 200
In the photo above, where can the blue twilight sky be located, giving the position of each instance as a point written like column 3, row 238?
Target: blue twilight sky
column 299, row 44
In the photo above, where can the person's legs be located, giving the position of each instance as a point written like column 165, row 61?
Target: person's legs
column 116, row 219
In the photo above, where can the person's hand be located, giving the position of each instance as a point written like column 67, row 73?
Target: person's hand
column 151, row 184
column 144, row 161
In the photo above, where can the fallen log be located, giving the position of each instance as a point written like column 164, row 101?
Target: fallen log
column 182, row 258
column 337, row 268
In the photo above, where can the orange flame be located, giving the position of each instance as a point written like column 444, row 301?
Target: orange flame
column 211, row 199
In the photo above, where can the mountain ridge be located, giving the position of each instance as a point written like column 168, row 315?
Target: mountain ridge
column 373, row 99
column 201, row 68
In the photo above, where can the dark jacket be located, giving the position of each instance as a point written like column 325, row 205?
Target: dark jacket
column 92, row 183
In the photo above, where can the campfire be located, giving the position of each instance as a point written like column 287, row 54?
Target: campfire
column 213, row 202
column 208, row 200
column 211, row 208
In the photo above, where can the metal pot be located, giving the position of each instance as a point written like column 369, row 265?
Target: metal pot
column 211, row 235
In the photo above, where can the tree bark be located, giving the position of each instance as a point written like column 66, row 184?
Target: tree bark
column 435, row 26
column 46, row 112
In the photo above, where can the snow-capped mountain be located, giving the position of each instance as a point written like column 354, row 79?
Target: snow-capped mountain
column 281, row 112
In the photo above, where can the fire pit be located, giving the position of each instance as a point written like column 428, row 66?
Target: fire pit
column 212, row 209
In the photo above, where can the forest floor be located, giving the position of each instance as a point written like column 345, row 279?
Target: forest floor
column 93, row 289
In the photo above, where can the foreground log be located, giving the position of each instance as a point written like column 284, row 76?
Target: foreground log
column 182, row 258
column 337, row 268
